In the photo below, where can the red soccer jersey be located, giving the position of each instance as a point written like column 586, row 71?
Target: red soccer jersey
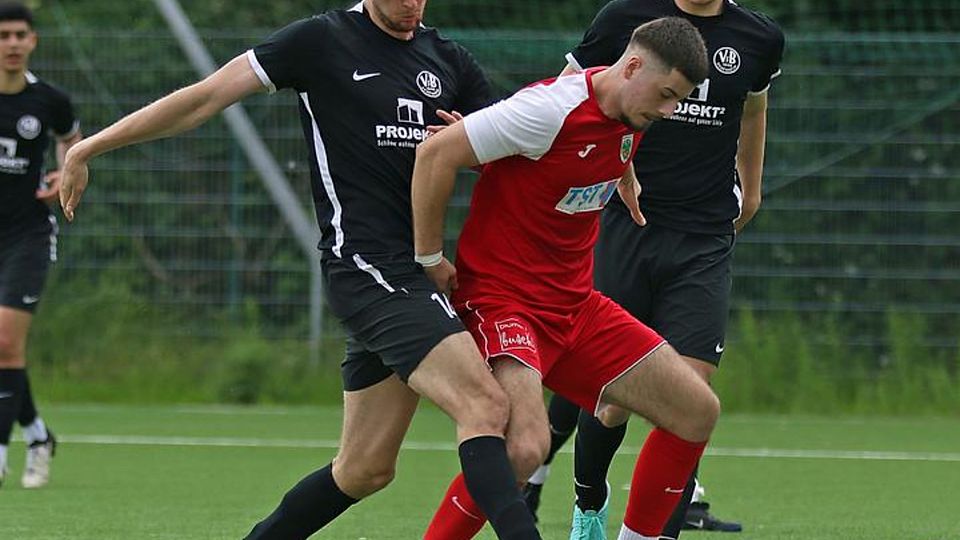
column 553, row 161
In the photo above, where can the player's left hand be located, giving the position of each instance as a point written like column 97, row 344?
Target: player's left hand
column 50, row 189
column 443, row 275
column 449, row 117
column 630, row 194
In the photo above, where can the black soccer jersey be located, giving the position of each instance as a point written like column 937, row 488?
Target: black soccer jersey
column 686, row 163
column 366, row 99
column 26, row 121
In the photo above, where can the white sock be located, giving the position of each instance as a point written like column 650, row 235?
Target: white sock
column 540, row 476
column 36, row 431
column 3, row 456
column 627, row 534
column 698, row 492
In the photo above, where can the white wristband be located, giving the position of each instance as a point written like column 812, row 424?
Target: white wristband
column 429, row 260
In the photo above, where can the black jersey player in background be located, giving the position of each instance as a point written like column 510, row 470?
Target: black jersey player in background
column 30, row 111
column 700, row 170
column 369, row 80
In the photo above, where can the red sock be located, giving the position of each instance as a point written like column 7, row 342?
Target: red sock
column 663, row 468
column 458, row 517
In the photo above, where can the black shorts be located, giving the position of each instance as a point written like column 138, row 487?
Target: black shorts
column 24, row 261
column 677, row 283
column 392, row 313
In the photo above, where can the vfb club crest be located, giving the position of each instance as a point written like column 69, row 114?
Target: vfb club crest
column 726, row 60
column 429, row 84
column 626, row 146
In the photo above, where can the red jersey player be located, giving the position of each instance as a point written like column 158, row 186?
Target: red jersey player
column 553, row 155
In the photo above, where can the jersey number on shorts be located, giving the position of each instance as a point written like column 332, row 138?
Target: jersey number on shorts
column 445, row 304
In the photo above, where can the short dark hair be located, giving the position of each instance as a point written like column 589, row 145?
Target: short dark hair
column 677, row 43
column 16, row 11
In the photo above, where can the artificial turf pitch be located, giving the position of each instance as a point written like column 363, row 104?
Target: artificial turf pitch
column 212, row 472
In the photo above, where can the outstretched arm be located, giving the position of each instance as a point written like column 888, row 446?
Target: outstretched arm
column 180, row 111
column 434, row 174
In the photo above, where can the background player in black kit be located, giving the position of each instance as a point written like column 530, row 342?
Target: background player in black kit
column 30, row 111
column 369, row 79
column 700, row 171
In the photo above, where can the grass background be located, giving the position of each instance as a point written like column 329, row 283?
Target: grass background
column 162, row 490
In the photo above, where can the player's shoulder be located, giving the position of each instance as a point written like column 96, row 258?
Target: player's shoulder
column 638, row 11
column 45, row 89
column 757, row 23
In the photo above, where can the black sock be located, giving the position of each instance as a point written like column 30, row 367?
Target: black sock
column 28, row 409
column 11, row 390
column 311, row 504
column 675, row 523
column 563, row 420
column 596, row 445
column 493, row 485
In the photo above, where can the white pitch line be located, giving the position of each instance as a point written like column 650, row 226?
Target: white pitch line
column 329, row 444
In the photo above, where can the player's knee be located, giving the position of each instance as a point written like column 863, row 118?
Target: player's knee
column 528, row 451
column 702, row 414
column 10, row 354
column 490, row 413
column 365, row 477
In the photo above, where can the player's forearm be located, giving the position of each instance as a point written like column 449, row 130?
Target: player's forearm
column 431, row 189
column 175, row 113
column 750, row 155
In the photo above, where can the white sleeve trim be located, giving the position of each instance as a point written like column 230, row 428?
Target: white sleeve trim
column 261, row 73
column 69, row 134
column 572, row 61
column 767, row 87
column 526, row 123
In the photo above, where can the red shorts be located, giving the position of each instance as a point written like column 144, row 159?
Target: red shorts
column 578, row 354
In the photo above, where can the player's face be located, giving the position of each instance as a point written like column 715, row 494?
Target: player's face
column 650, row 93
column 400, row 16
column 17, row 41
column 700, row 7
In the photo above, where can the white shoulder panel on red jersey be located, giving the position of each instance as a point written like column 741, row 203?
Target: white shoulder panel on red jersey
column 527, row 122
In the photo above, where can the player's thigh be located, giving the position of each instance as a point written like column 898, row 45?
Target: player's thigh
column 692, row 303
column 528, row 434
column 375, row 421
column 624, row 259
column 14, row 327
column 457, row 379
column 667, row 392
column 24, row 262
column 606, row 342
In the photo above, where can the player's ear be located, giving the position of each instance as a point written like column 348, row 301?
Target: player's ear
column 633, row 65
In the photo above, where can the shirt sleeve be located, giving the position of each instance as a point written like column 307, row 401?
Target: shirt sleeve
column 524, row 124
column 279, row 60
column 604, row 41
column 475, row 92
column 772, row 68
column 65, row 123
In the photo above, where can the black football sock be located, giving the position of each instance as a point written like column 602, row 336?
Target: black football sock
column 672, row 529
column 493, row 486
column 595, row 447
column 563, row 420
column 28, row 409
column 311, row 504
column 11, row 390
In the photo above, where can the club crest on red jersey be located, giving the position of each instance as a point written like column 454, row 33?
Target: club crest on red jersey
column 626, row 145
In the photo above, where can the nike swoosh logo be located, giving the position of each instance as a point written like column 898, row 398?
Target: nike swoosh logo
column 359, row 77
column 583, row 153
column 671, row 490
column 30, row 299
column 719, row 348
column 456, row 502
column 5, row 395
column 696, row 524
